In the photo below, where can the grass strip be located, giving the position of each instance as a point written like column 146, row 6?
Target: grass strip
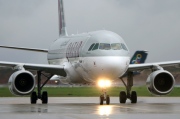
column 89, row 91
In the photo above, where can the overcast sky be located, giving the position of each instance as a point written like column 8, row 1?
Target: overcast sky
column 152, row 25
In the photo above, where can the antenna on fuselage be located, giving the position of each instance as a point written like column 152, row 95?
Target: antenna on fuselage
column 62, row 24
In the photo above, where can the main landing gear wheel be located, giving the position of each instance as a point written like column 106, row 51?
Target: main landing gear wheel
column 122, row 97
column 44, row 97
column 33, row 97
column 133, row 97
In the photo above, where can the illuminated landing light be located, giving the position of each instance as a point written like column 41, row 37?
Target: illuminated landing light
column 104, row 83
column 105, row 110
column 56, row 82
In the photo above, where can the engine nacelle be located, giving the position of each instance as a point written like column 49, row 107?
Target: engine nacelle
column 21, row 82
column 160, row 82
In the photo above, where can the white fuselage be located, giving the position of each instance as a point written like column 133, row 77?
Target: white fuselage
column 90, row 57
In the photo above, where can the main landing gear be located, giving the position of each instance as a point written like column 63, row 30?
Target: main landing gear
column 123, row 96
column 44, row 96
column 104, row 97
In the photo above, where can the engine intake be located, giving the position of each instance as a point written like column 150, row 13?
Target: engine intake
column 160, row 82
column 21, row 82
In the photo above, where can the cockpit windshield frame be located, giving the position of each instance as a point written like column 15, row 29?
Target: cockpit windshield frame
column 104, row 46
column 116, row 46
column 96, row 46
column 108, row 46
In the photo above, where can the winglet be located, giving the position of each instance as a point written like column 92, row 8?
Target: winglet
column 62, row 24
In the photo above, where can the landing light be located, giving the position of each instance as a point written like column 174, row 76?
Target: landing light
column 56, row 82
column 104, row 83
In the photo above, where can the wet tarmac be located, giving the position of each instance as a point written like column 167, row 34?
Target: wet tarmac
column 89, row 108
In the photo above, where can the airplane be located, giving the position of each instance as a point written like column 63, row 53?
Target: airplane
column 94, row 57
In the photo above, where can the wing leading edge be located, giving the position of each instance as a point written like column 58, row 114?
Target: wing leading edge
column 24, row 48
column 136, row 67
column 53, row 69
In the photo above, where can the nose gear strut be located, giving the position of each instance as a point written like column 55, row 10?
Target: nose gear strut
column 104, row 97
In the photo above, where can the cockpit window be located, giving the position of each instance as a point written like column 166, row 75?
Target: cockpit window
column 96, row 46
column 124, row 47
column 107, row 46
column 116, row 46
column 90, row 48
column 104, row 46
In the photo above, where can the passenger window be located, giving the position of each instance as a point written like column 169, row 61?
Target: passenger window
column 104, row 46
column 96, row 46
column 124, row 47
column 116, row 46
column 90, row 48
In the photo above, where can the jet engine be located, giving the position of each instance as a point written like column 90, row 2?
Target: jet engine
column 160, row 82
column 21, row 82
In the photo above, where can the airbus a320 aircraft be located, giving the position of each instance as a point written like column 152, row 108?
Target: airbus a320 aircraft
column 94, row 57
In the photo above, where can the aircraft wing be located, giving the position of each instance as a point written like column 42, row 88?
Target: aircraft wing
column 24, row 48
column 137, row 67
column 53, row 69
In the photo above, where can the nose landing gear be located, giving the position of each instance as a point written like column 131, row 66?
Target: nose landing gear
column 104, row 97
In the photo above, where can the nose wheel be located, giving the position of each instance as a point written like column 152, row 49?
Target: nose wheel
column 104, row 97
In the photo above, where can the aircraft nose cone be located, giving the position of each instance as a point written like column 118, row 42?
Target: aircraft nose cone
column 108, row 67
column 114, row 66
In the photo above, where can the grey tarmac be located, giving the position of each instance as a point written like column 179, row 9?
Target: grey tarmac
column 89, row 108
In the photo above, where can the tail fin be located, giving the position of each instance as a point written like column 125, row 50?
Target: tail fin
column 62, row 25
column 139, row 57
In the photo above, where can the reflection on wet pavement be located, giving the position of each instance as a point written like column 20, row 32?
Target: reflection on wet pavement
column 105, row 110
column 145, row 108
